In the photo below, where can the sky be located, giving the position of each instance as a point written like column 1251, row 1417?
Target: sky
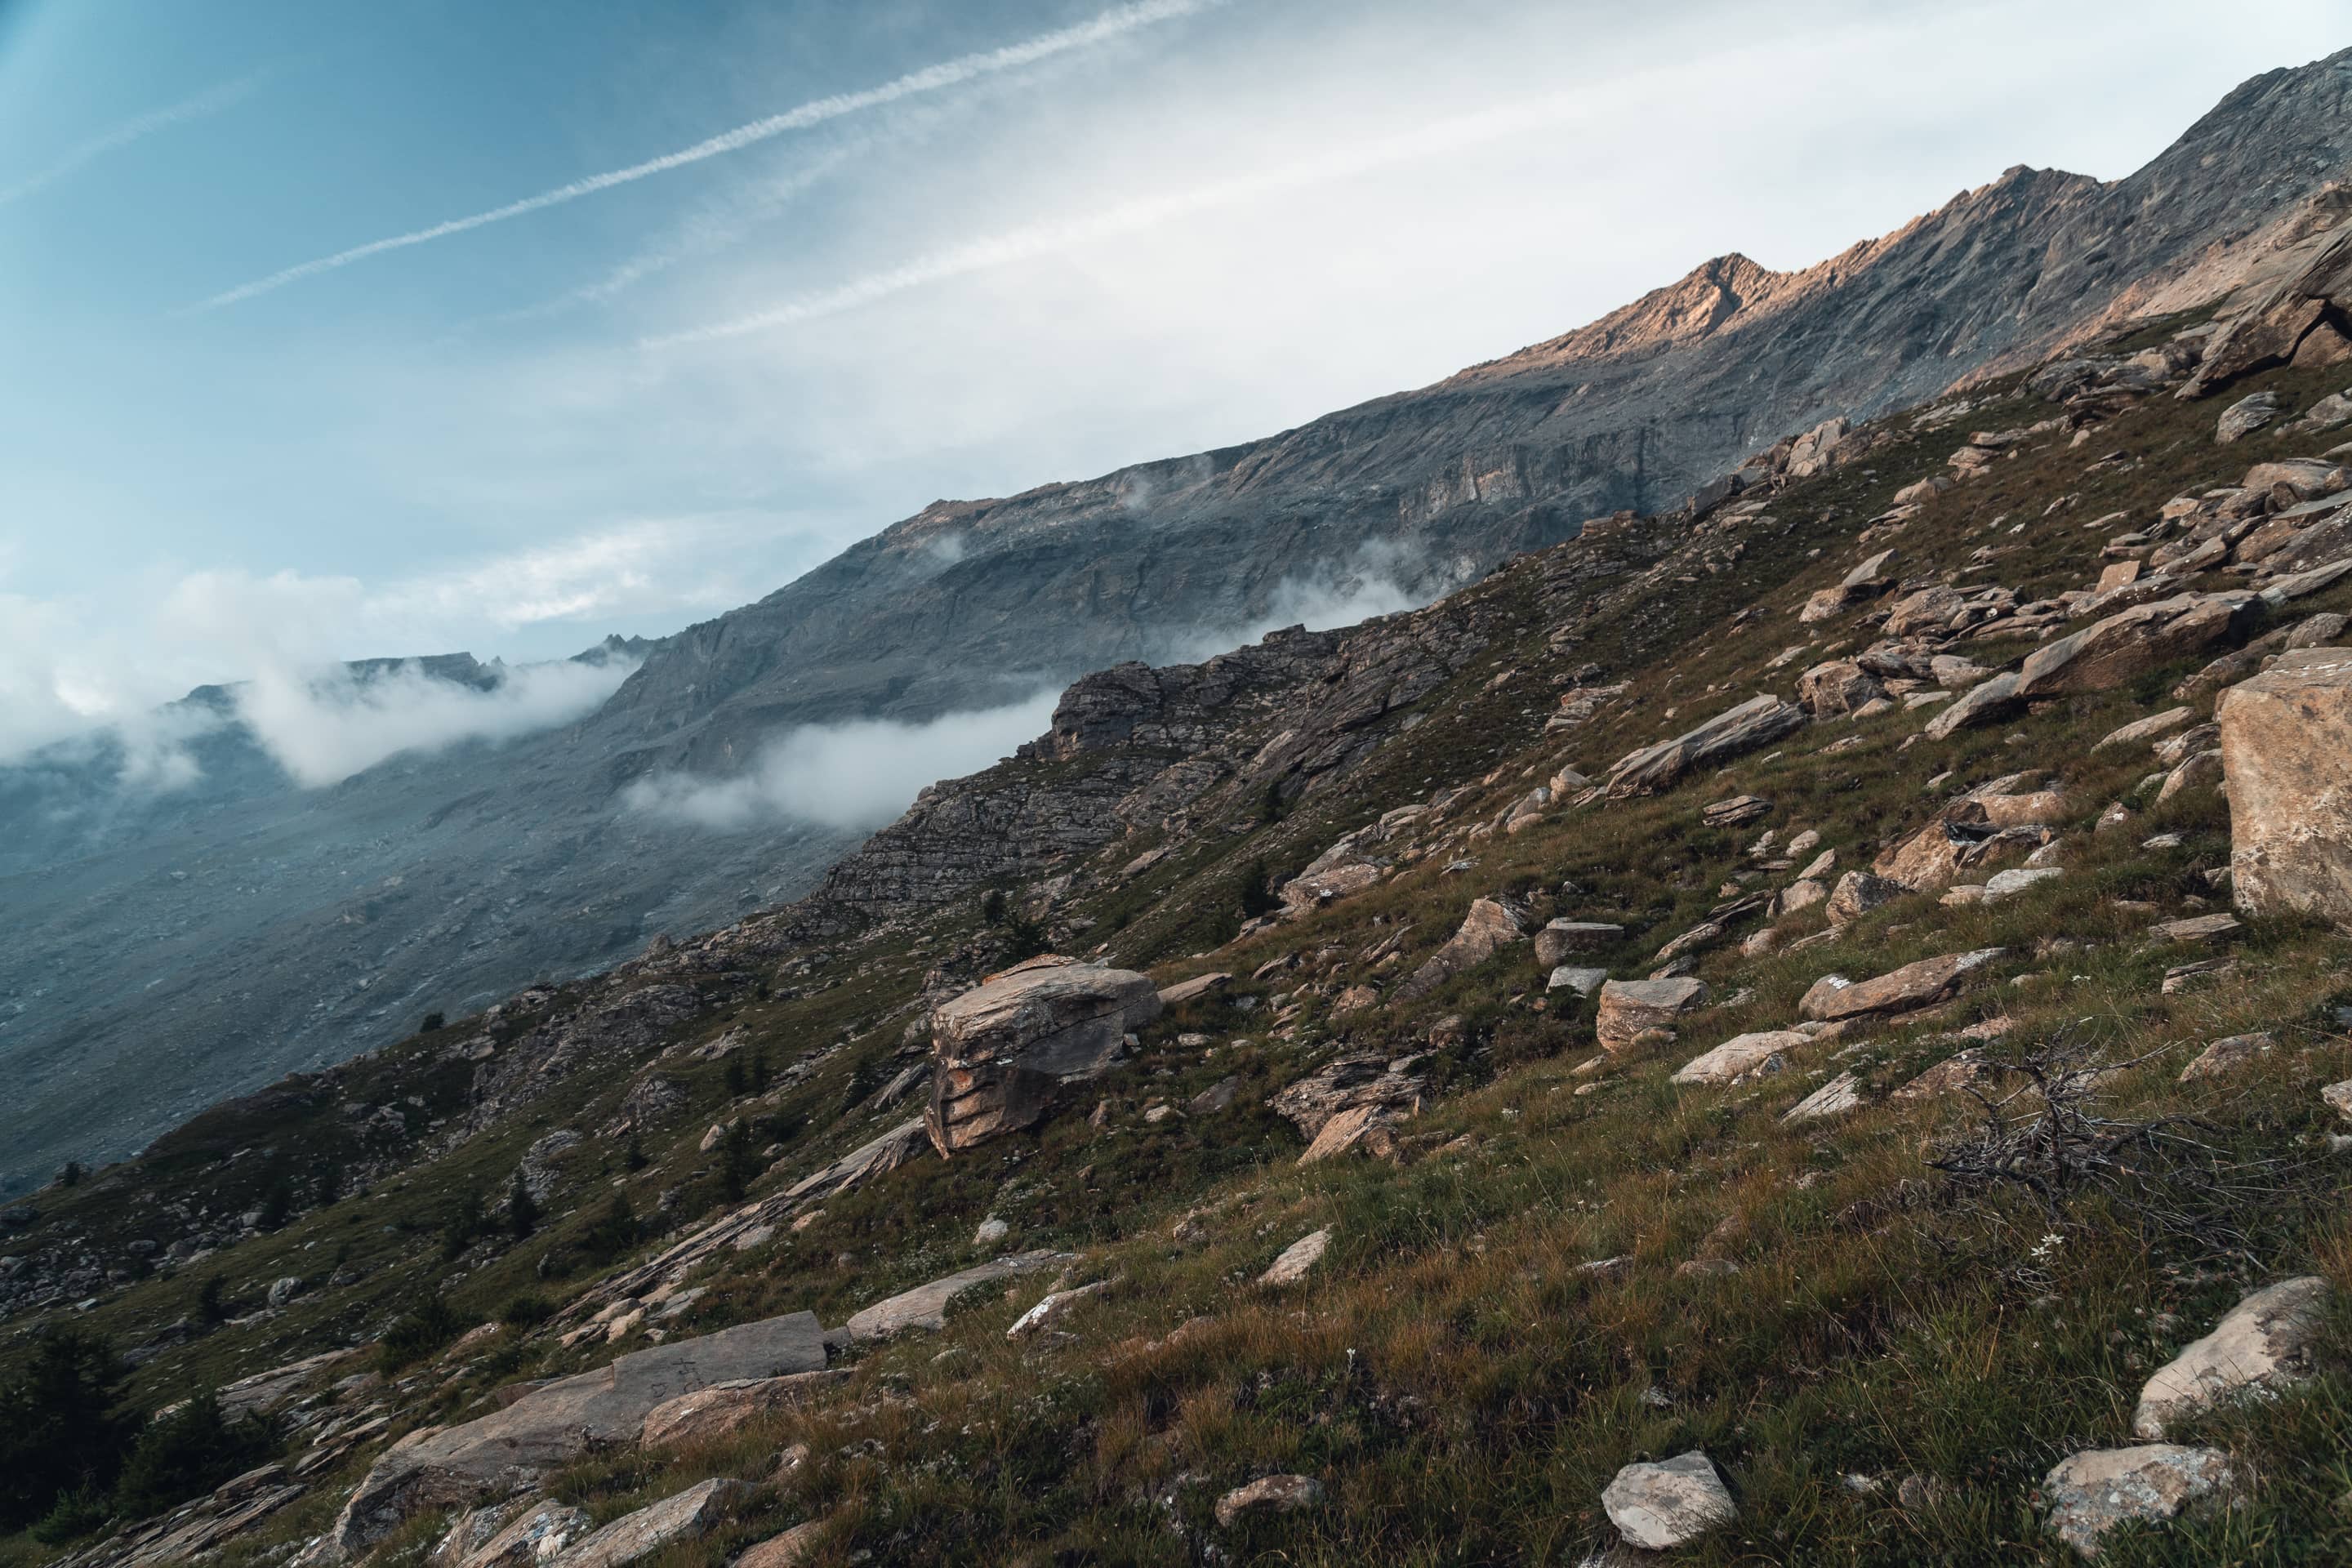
column 340, row 332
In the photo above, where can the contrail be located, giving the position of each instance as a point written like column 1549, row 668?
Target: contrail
column 930, row 79
column 209, row 102
column 1146, row 213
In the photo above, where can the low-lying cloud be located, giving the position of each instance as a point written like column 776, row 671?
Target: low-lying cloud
column 323, row 725
column 857, row 776
column 1370, row 582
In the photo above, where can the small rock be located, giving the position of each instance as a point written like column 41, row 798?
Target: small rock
column 2093, row 1491
column 1658, row 1506
column 1297, row 1259
column 2227, row 1055
column 991, row 1231
column 1268, row 1494
column 2265, row 1341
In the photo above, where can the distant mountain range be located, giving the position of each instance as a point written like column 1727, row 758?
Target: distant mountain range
column 168, row 948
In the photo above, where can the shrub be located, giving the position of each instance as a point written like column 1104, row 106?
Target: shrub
column 523, row 1210
column 526, row 1310
column 188, row 1453
column 416, row 1334
column 612, row 1232
column 432, row 1022
column 464, row 1225
column 61, row 1429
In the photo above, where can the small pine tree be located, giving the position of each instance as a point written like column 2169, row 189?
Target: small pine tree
column 1257, row 897
column 759, row 1069
column 734, row 1076
column 71, row 1176
column 633, row 1156
column 612, row 1232
column 432, row 1022
column 522, row 1213
column 210, row 1306
column 328, row 1183
column 1269, row 810
column 737, row 1165
column 464, row 1223
column 993, row 907
column 276, row 1204
column 61, row 1428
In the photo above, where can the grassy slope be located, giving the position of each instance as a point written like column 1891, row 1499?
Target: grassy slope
column 1461, row 1388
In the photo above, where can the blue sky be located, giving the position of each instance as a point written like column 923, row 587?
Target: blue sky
column 1146, row 230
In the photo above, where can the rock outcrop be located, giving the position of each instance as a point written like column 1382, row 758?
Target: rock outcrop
column 444, row 1467
column 1756, row 722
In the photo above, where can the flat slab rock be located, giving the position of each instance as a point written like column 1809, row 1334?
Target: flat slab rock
column 723, row 1408
column 1743, row 1057
column 445, row 1466
column 1834, row 998
column 926, row 1306
column 1661, row 1506
column 2091, row 1492
column 2262, row 1343
column 632, row 1536
column 1756, row 722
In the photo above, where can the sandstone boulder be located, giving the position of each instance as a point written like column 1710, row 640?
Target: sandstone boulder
column 1194, row 989
column 1859, row 892
column 1315, row 888
column 2264, row 1343
column 1838, row 687
column 2091, row 1492
column 1834, row 998
column 1985, row 702
column 2112, row 652
column 1487, row 929
column 792, row 1548
column 446, row 1466
column 1563, row 938
column 2226, row 1056
column 1003, row 1051
column 1755, row 722
column 1628, row 1008
column 1363, row 1082
column 1658, row 1506
column 2245, row 417
column 1743, row 1057
column 2286, row 757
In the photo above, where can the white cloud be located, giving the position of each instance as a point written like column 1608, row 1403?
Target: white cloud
column 324, row 724
column 1320, row 598
column 854, row 775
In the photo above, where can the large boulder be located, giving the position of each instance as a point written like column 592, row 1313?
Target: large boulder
column 452, row 1467
column 1003, row 1051
column 1628, row 1008
column 1838, row 687
column 1487, row 929
column 2287, row 757
column 2265, row 1341
column 1835, row 999
column 2114, row 651
column 1756, row 722
column 1986, row 702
